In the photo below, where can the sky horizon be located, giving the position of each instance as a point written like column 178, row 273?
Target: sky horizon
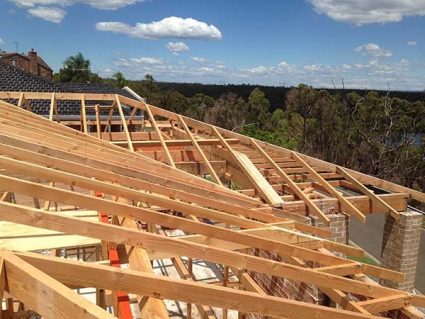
column 367, row 44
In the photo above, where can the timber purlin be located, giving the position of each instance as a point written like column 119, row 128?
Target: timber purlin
column 232, row 220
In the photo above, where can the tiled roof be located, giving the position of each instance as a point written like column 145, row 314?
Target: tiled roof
column 93, row 88
column 14, row 80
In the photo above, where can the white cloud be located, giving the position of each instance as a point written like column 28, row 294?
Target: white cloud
column 365, row 11
column 313, row 67
column 373, row 50
column 258, row 70
column 98, row 4
column 404, row 62
column 177, row 47
column 1, row 41
column 171, row 27
column 147, row 60
column 54, row 10
column 206, row 69
column 412, row 43
column 197, row 59
column 283, row 64
column 51, row 14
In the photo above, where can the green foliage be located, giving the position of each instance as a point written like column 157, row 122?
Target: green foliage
column 229, row 112
column 258, row 109
column 76, row 69
column 274, row 137
column 120, row 80
column 173, row 101
column 198, row 105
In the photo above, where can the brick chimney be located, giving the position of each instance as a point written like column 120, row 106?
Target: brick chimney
column 32, row 55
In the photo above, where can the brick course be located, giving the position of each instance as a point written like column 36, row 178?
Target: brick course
column 400, row 247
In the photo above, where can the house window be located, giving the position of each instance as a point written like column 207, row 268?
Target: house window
column 14, row 62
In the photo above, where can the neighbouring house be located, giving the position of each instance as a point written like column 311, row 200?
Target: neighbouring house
column 14, row 79
column 31, row 63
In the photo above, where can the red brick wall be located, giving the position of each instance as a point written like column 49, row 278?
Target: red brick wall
column 45, row 73
column 23, row 64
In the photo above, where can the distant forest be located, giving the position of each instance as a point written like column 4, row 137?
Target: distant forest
column 275, row 94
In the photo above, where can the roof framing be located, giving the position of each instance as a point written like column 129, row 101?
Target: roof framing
column 137, row 172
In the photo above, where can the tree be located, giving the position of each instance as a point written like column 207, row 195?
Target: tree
column 229, row 112
column 120, row 80
column 271, row 136
column 258, row 109
column 173, row 101
column 301, row 100
column 198, row 106
column 76, row 68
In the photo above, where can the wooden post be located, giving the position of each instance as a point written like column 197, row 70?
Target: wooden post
column 83, row 114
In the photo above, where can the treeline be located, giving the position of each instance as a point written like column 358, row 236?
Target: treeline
column 374, row 133
column 275, row 94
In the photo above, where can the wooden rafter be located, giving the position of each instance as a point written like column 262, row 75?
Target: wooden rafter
column 88, row 148
column 54, row 299
column 124, row 124
column 200, row 151
column 161, row 138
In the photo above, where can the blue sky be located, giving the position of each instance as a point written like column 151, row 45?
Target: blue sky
column 369, row 44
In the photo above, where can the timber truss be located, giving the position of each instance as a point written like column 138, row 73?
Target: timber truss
column 138, row 184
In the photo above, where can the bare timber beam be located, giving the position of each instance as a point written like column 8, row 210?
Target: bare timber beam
column 161, row 138
column 200, row 151
column 124, row 124
column 45, row 295
column 83, row 114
